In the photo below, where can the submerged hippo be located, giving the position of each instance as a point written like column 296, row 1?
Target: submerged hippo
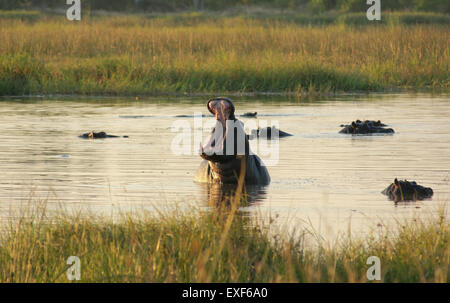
column 228, row 150
column 189, row 116
column 249, row 115
column 100, row 135
column 268, row 133
column 407, row 191
column 366, row 127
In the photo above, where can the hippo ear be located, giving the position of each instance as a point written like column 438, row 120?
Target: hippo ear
column 209, row 106
column 396, row 181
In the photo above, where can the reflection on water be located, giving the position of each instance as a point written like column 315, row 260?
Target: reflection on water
column 218, row 194
column 330, row 179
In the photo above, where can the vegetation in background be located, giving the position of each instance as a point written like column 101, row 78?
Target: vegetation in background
column 314, row 6
column 194, row 53
column 219, row 245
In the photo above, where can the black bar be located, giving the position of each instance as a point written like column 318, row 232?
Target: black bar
column 224, row 292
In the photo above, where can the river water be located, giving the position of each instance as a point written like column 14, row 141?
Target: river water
column 329, row 181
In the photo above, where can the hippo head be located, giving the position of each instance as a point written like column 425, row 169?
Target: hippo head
column 222, row 108
column 216, row 149
column 403, row 191
column 407, row 191
column 94, row 135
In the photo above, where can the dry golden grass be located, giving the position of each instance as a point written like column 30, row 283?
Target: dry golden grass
column 214, row 246
column 131, row 55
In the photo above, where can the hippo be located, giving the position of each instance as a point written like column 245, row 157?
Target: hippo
column 227, row 151
column 189, row 116
column 100, row 135
column 366, row 127
column 267, row 133
column 249, row 115
column 407, row 191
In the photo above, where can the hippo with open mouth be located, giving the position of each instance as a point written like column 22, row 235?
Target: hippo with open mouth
column 366, row 127
column 400, row 191
column 227, row 151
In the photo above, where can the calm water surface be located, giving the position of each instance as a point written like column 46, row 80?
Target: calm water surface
column 330, row 180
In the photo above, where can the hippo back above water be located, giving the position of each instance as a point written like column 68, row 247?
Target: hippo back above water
column 407, row 191
column 99, row 135
column 366, row 127
column 268, row 133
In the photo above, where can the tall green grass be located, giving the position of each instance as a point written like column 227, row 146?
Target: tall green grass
column 214, row 246
column 138, row 55
column 22, row 15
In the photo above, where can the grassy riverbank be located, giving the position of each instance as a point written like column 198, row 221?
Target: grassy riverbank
column 214, row 246
column 194, row 53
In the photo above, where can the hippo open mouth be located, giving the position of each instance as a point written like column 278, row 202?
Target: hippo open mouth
column 227, row 154
column 216, row 149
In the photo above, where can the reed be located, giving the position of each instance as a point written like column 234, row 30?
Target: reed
column 134, row 55
column 219, row 245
